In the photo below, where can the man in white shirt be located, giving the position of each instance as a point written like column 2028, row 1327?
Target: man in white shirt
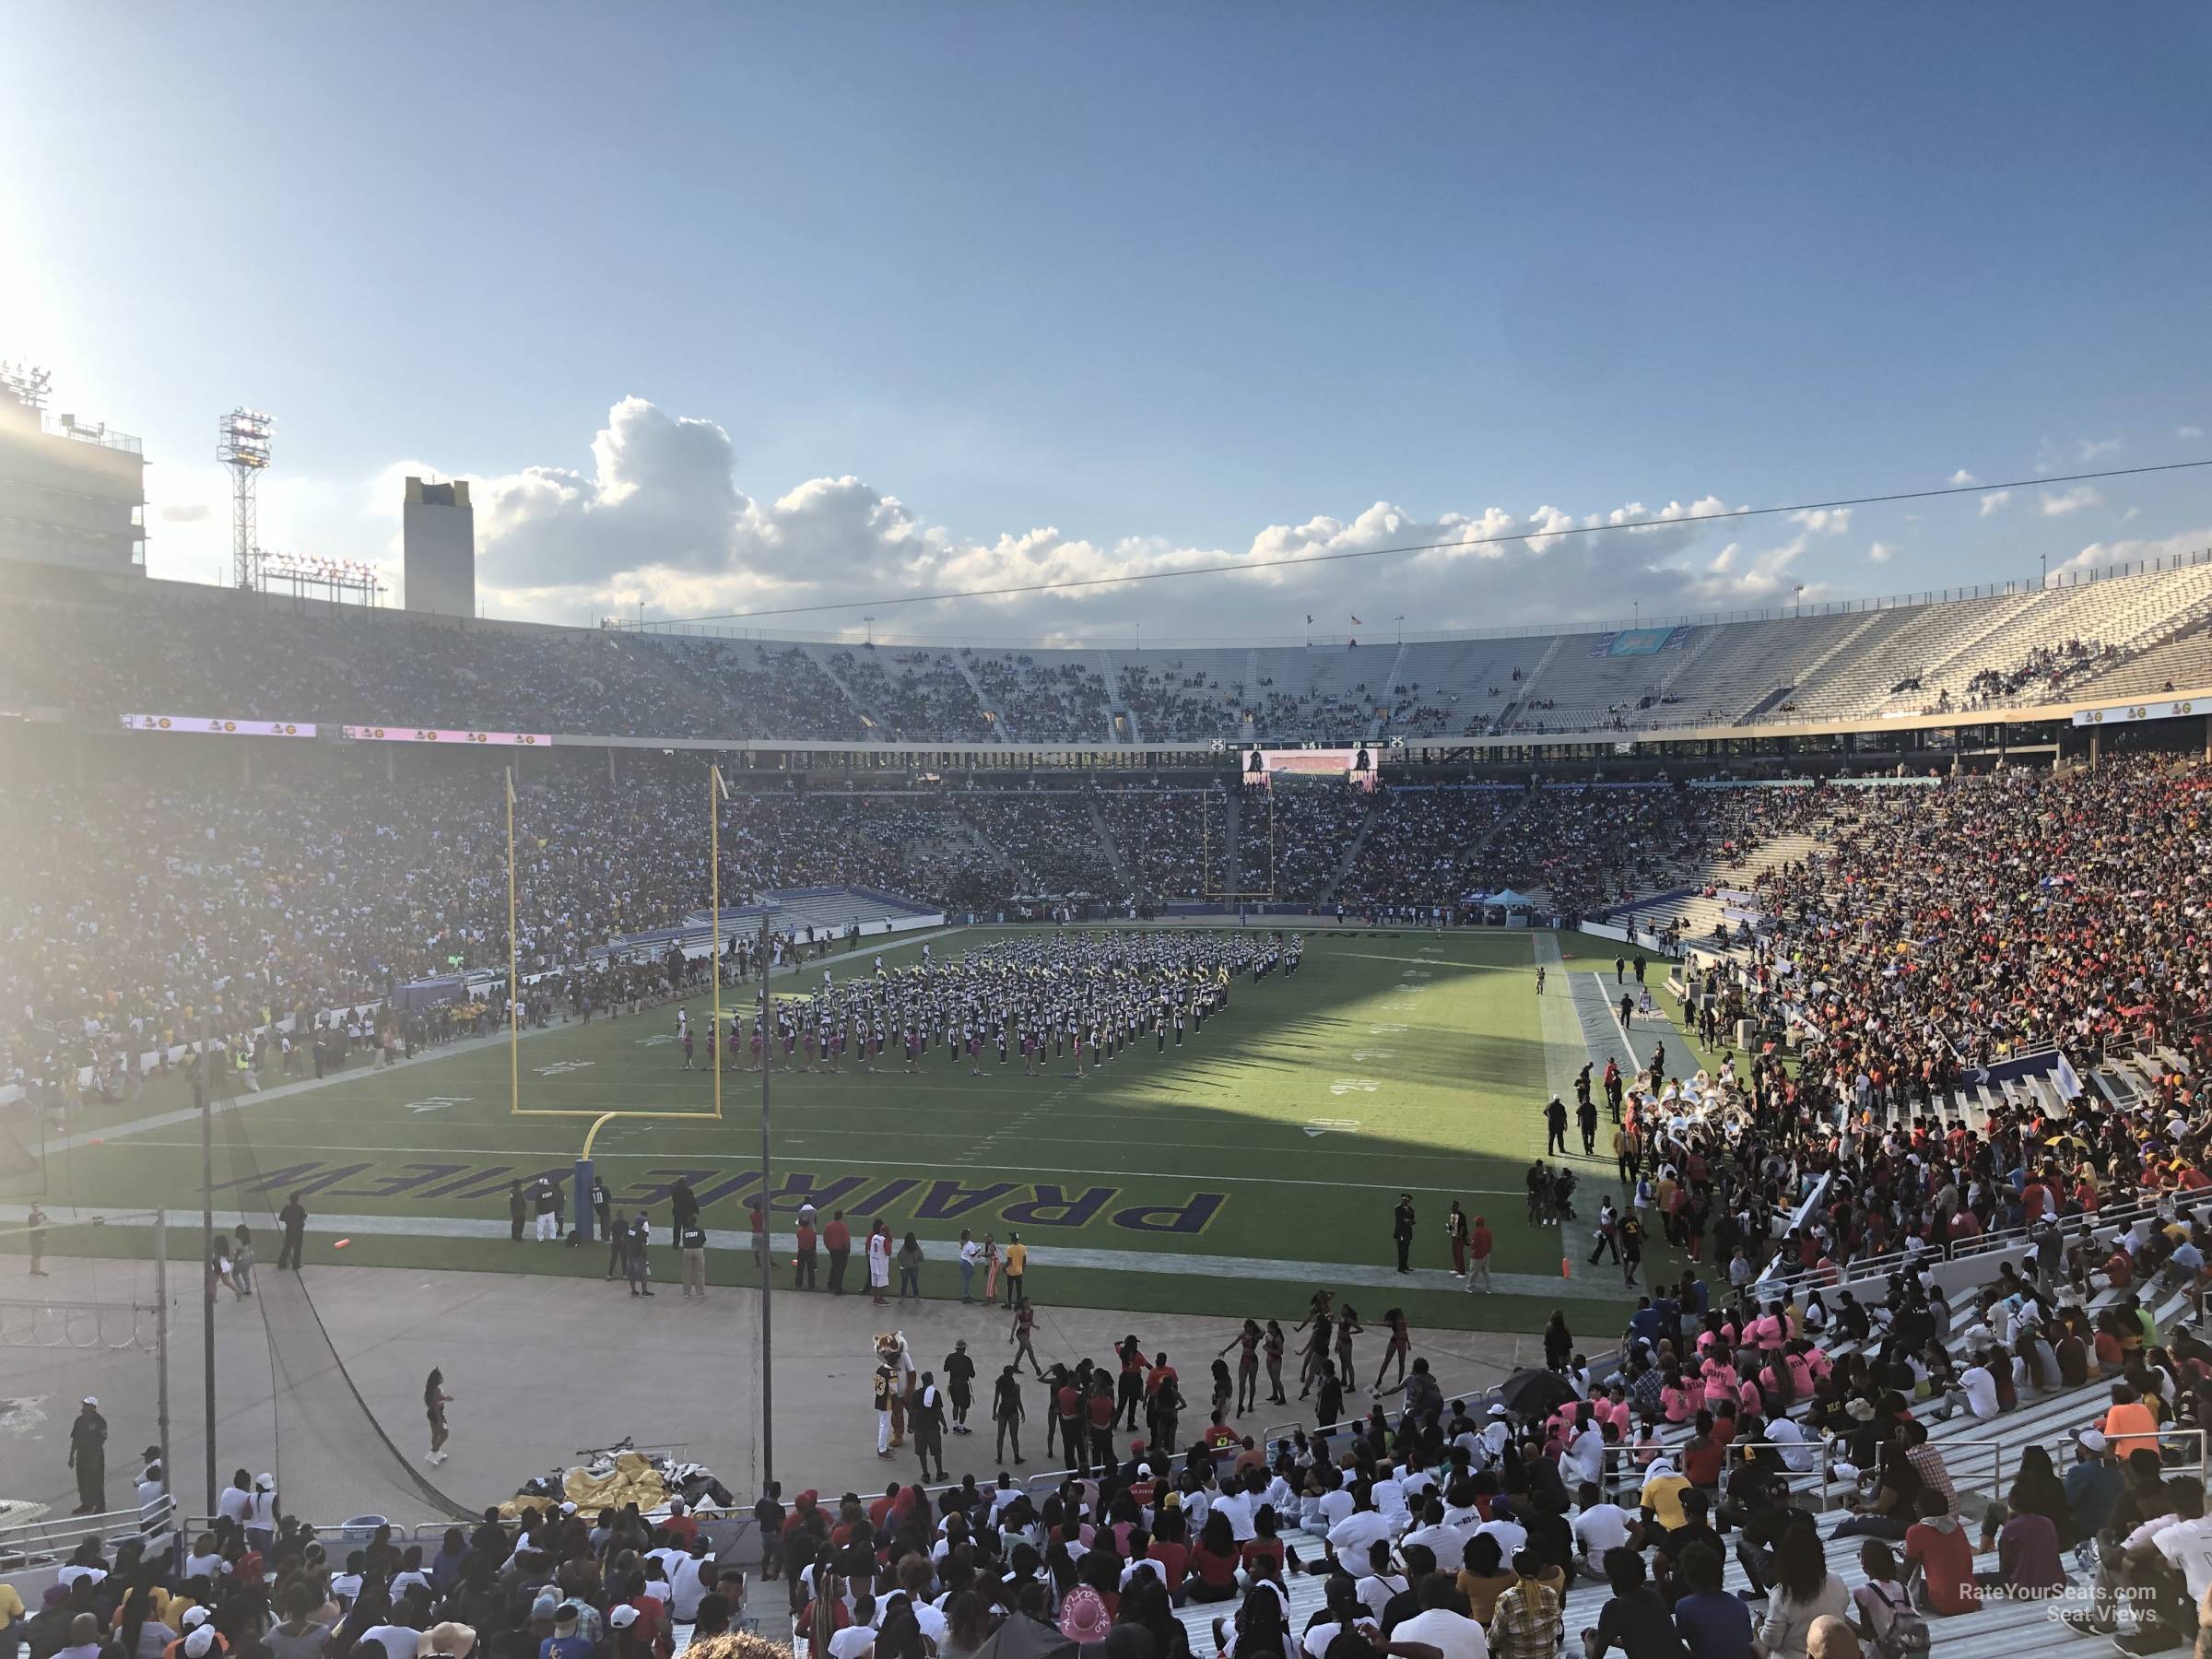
column 1511, row 1534
column 859, row 1637
column 1601, row 1526
column 1495, row 1433
column 1452, row 1635
column 237, row 1499
column 1389, row 1497
column 1799, row 1455
column 1981, row 1389
column 1446, row 1542
column 1587, row 1453
column 1378, row 1583
column 971, row 1255
column 2187, row 1543
column 1336, row 1504
column 690, row 1576
column 1239, row 1506
column 1350, row 1539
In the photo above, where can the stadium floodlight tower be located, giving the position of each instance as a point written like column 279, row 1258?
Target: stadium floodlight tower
column 244, row 448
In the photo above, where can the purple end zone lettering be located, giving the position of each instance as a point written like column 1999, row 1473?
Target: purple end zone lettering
column 1189, row 1217
column 947, row 1199
column 656, row 1192
column 322, row 1183
column 270, row 1183
column 723, row 1189
column 477, row 1173
column 875, row 1203
column 392, row 1186
column 496, row 1180
column 1053, row 1208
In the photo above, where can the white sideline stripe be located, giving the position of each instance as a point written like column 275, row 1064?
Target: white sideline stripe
column 948, row 1251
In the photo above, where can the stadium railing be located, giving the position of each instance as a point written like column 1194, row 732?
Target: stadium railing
column 1774, row 1273
column 51, row 1540
column 1974, row 1464
column 2117, row 1218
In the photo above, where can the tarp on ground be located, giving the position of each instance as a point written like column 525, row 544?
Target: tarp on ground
column 634, row 1479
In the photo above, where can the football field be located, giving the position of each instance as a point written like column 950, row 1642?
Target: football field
column 1231, row 1175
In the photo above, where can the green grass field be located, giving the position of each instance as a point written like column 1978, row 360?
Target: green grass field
column 1393, row 1061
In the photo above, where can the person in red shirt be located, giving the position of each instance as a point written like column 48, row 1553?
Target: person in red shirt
column 680, row 1526
column 837, row 1238
column 1219, row 1435
column 1703, row 1457
column 1479, row 1243
column 801, row 1263
column 1067, row 1410
column 1101, row 1408
column 1167, row 1547
column 1939, row 1551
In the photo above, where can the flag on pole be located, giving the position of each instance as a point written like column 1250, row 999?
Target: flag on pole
column 1356, row 623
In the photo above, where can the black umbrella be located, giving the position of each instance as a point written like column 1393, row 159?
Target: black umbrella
column 1534, row 1392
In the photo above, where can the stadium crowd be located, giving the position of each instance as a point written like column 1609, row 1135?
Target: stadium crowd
column 1066, row 703
column 1996, row 914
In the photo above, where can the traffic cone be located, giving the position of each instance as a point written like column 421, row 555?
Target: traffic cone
column 1566, row 1267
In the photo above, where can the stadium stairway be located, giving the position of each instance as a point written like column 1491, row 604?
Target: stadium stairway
column 1527, row 688
column 1116, row 704
column 821, row 659
column 1111, row 847
column 1001, row 725
column 1350, row 861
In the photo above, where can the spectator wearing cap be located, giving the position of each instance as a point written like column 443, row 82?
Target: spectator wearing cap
column 2093, row 1483
column 89, row 1457
column 564, row 1641
column 200, row 1639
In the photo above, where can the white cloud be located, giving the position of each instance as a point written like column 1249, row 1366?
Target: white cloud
column 1830, row 520
column 1882, row 552
column 1994, row 500
column 2089, row 448
column 186, row 512
column 656, row 517
column 2077, row 500
column 2189, row 432
column 1962, row 479
column 2098, row 554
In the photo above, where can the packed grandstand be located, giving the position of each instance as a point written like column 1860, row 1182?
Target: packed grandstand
column 1947, row 1216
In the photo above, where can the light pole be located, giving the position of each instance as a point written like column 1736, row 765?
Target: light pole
column 1797, row 589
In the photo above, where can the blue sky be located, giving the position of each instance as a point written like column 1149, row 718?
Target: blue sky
column 965, row 294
